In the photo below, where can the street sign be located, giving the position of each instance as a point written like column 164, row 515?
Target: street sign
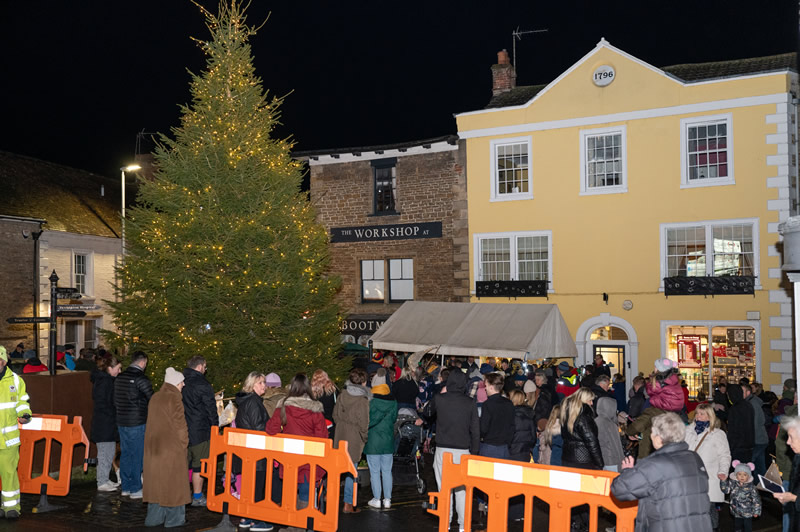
column 31, row 319
column 78, row 307
column 66, row 289
column 70, row 314
column 69, row 295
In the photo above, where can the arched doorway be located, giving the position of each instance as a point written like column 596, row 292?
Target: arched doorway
column 612, row 337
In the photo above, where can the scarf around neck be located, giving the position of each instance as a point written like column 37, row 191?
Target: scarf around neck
column 700, row 426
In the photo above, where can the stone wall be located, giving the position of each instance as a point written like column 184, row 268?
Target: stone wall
column 431, row 187
column 16, row 281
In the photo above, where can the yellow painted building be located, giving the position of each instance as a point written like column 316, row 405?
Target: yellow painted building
column 618, row 175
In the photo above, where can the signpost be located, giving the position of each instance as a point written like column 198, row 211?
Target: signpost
column 43, row 319
column 70, row 314
column 78, row 307
column 68, row 292
column 57, row 311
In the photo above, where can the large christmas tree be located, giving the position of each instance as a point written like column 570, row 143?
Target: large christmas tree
column 224, row 257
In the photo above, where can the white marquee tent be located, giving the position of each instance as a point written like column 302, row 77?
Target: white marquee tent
column 524, row 331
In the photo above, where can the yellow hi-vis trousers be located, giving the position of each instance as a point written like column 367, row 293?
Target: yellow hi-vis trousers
column 9, row 458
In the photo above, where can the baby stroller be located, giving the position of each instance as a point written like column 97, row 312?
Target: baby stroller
column 408, row 462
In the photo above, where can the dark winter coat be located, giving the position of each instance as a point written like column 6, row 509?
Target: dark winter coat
column 165, row 441
column 405, row 391
column 637, row 402
column 199, row 405
column 250, row 415
column 745, row 500
column 456, row 416
column 250, row 412
column 132, row 392
column 671, row 486
column 382, row 415
column 582, row 446
column 524, row 438
column 497, row 420
column 794, row 487
column 104, row 416
column 741, row 426
column 619, row 395
column 759, row 422
column 543, row 406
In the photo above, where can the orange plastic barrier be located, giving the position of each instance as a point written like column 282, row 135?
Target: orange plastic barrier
column 49, row 428
column 563, row 488
column 291, row 452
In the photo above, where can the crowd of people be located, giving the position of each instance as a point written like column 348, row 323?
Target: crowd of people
column 683, row 458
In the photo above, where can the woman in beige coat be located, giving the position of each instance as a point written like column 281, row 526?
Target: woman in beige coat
column 166, row 438
column 351, row 415
column 706, row 438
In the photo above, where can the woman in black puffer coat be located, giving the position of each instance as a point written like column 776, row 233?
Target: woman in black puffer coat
column 581, row 444
column 579, row 431
column 524, row 428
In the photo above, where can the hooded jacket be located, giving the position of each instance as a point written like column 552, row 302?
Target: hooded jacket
column 667, row 394
column 303, row 418
column 272, row 397
column 199, row 405
column 458, row 426
column 741, row 420
column 351, row 415
column 745, row 500
column 608, row 432
column 382, row 415
column 671, row 486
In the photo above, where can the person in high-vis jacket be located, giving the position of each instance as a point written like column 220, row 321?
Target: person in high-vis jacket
column 14, row 409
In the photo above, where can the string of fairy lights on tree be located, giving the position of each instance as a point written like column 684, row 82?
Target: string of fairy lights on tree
column 225, row 257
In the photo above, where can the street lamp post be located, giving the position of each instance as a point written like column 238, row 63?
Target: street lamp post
column 129, row 168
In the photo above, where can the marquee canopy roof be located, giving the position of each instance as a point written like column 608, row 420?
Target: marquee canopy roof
column 524, row 331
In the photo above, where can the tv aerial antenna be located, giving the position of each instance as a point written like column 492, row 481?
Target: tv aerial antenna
column 517, row 35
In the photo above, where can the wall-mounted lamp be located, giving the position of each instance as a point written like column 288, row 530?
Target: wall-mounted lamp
column 605, row 298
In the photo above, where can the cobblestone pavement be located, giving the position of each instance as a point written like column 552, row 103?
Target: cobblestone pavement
column 87, row 510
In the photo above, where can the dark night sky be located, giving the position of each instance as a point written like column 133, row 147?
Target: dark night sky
column 81, row 78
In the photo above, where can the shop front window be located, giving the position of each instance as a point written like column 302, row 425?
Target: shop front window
column 730, row 353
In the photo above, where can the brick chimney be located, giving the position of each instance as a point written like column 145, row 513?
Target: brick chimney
column 504, row 76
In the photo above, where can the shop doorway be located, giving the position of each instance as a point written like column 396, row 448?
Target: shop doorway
column 614, row 338
column 614, row 355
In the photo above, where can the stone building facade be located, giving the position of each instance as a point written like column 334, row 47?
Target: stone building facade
column 58, row 219
column 397, row 217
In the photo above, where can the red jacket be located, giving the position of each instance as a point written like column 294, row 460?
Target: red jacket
column 303, row 418
column 668, row 395
column 568, row 383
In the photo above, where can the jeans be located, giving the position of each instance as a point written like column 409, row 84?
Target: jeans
column 714, row 513
column 743, row 524
column 460, row 493
column 494, row 451
column 105, row 460
column 786, row 514
column 612, row 468
column 759, row 459
column 348, row 489
column 169, row 516
column 380, row 472
column 131, row 459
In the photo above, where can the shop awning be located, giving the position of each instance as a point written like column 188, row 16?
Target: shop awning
column 478, row 329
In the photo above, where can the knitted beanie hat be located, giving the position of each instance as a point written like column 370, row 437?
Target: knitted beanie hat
column 173, row 377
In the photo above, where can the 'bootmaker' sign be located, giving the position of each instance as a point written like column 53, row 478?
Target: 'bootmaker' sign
column 386, row 232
